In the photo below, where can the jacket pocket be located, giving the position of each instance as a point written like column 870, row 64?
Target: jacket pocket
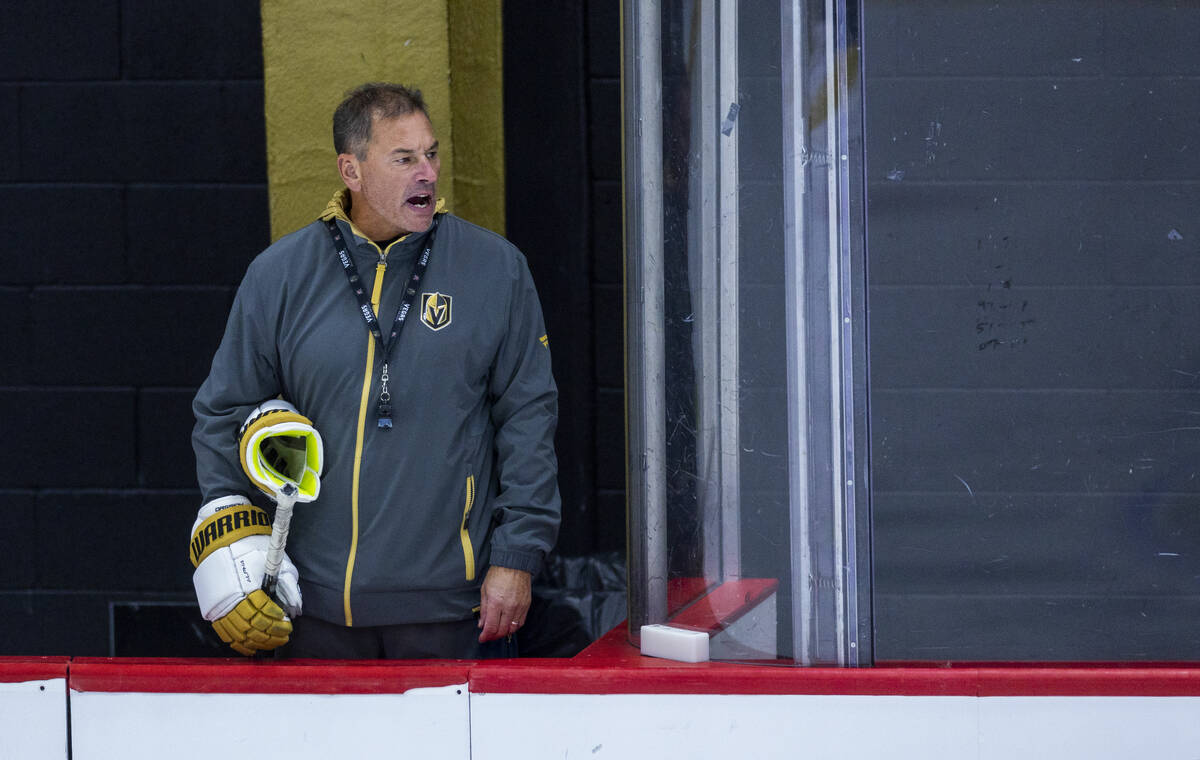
column 463, row 534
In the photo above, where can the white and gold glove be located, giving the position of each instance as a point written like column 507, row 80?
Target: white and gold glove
column 228, row 550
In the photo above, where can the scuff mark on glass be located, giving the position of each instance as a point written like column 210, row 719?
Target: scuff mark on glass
column 932, row 141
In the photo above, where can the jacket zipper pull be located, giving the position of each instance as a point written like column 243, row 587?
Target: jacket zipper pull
column 383, row 411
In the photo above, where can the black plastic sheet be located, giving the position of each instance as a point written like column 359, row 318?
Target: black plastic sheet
column 576, row 600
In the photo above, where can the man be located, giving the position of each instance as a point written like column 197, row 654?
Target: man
column 439, row 463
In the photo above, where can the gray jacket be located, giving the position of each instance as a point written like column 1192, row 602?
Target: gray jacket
column 408, row 519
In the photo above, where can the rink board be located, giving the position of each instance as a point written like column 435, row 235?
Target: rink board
column 607, row 702
column 33, row 707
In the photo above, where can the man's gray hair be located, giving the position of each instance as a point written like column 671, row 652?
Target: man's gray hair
column 353, row 118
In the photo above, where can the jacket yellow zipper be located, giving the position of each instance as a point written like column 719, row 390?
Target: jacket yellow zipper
column 468, row 550
column 380, row 268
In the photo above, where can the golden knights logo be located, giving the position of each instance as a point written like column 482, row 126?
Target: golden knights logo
column 435, row 310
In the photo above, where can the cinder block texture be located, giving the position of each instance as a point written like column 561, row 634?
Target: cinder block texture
column 1134, row 543
column 603, row 38
column 609, row 347
column 65, row 234
column 209, row 40
column 77, row 437
column 1062, row 629
column 9, row 134
column 153, row 132
column 1033, row 129
column 1032, row 441
column 204, row 235
column 604, row 129
column 20, row 524
column 132, row 198
column 609, row 522
column 94, row 527
column 607, row 234
column 610, row 432
column 1099, row 234
column 15, row 337
column 60, row 39
column 134, row 336
column 165, row 438
column 932, row 39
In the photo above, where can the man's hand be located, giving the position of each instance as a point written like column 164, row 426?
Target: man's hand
column 503, row 602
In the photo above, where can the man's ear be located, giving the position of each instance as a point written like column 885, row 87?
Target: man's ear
column 348, row 171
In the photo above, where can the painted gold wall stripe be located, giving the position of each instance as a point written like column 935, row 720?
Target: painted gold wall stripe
column 477, row 106
column 451, row 49
column 313, row 53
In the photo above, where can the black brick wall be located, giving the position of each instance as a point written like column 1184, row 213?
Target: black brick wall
column 564, row 212
column 1033, row 245
column 607, row 250
column 132, row 196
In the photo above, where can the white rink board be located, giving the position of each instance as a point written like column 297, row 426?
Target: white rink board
column 554, row 726
column 551, row 727
column 426, row 722
column 1097, row 728
column 33, row 719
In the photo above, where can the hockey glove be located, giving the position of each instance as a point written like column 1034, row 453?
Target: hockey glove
column 228, row 550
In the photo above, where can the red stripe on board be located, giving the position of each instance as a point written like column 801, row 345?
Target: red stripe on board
column 614, row 666
column 610, row 666
column 23, row 669
column 263, row 676
column 718, row 678
column 1089, row 682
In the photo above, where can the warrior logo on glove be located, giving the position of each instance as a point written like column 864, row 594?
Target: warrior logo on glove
column 224, row 527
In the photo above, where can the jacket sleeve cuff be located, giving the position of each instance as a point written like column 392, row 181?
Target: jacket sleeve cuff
column 530, row 562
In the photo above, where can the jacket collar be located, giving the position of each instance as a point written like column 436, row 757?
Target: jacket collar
column 339, row 205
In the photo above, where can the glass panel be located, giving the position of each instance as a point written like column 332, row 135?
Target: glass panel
column 1033, row 185
column 741, row 327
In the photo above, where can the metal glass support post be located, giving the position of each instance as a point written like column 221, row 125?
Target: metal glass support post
column 842, row 313
column 703, row 261
column 794, row 190
column 728, row 256
column 641, row 86
column 820, row 436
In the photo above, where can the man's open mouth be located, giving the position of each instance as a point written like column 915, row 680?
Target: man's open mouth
column 420, row 201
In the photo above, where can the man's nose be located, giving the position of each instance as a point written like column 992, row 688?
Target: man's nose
column 427, row 170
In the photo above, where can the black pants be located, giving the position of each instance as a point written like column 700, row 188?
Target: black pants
column 456, row 640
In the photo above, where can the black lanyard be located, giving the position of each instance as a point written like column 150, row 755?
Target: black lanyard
column 384, row 407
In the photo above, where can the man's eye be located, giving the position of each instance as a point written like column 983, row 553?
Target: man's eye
column 431, row 155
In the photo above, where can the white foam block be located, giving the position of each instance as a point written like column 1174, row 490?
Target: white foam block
column 674, row 643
